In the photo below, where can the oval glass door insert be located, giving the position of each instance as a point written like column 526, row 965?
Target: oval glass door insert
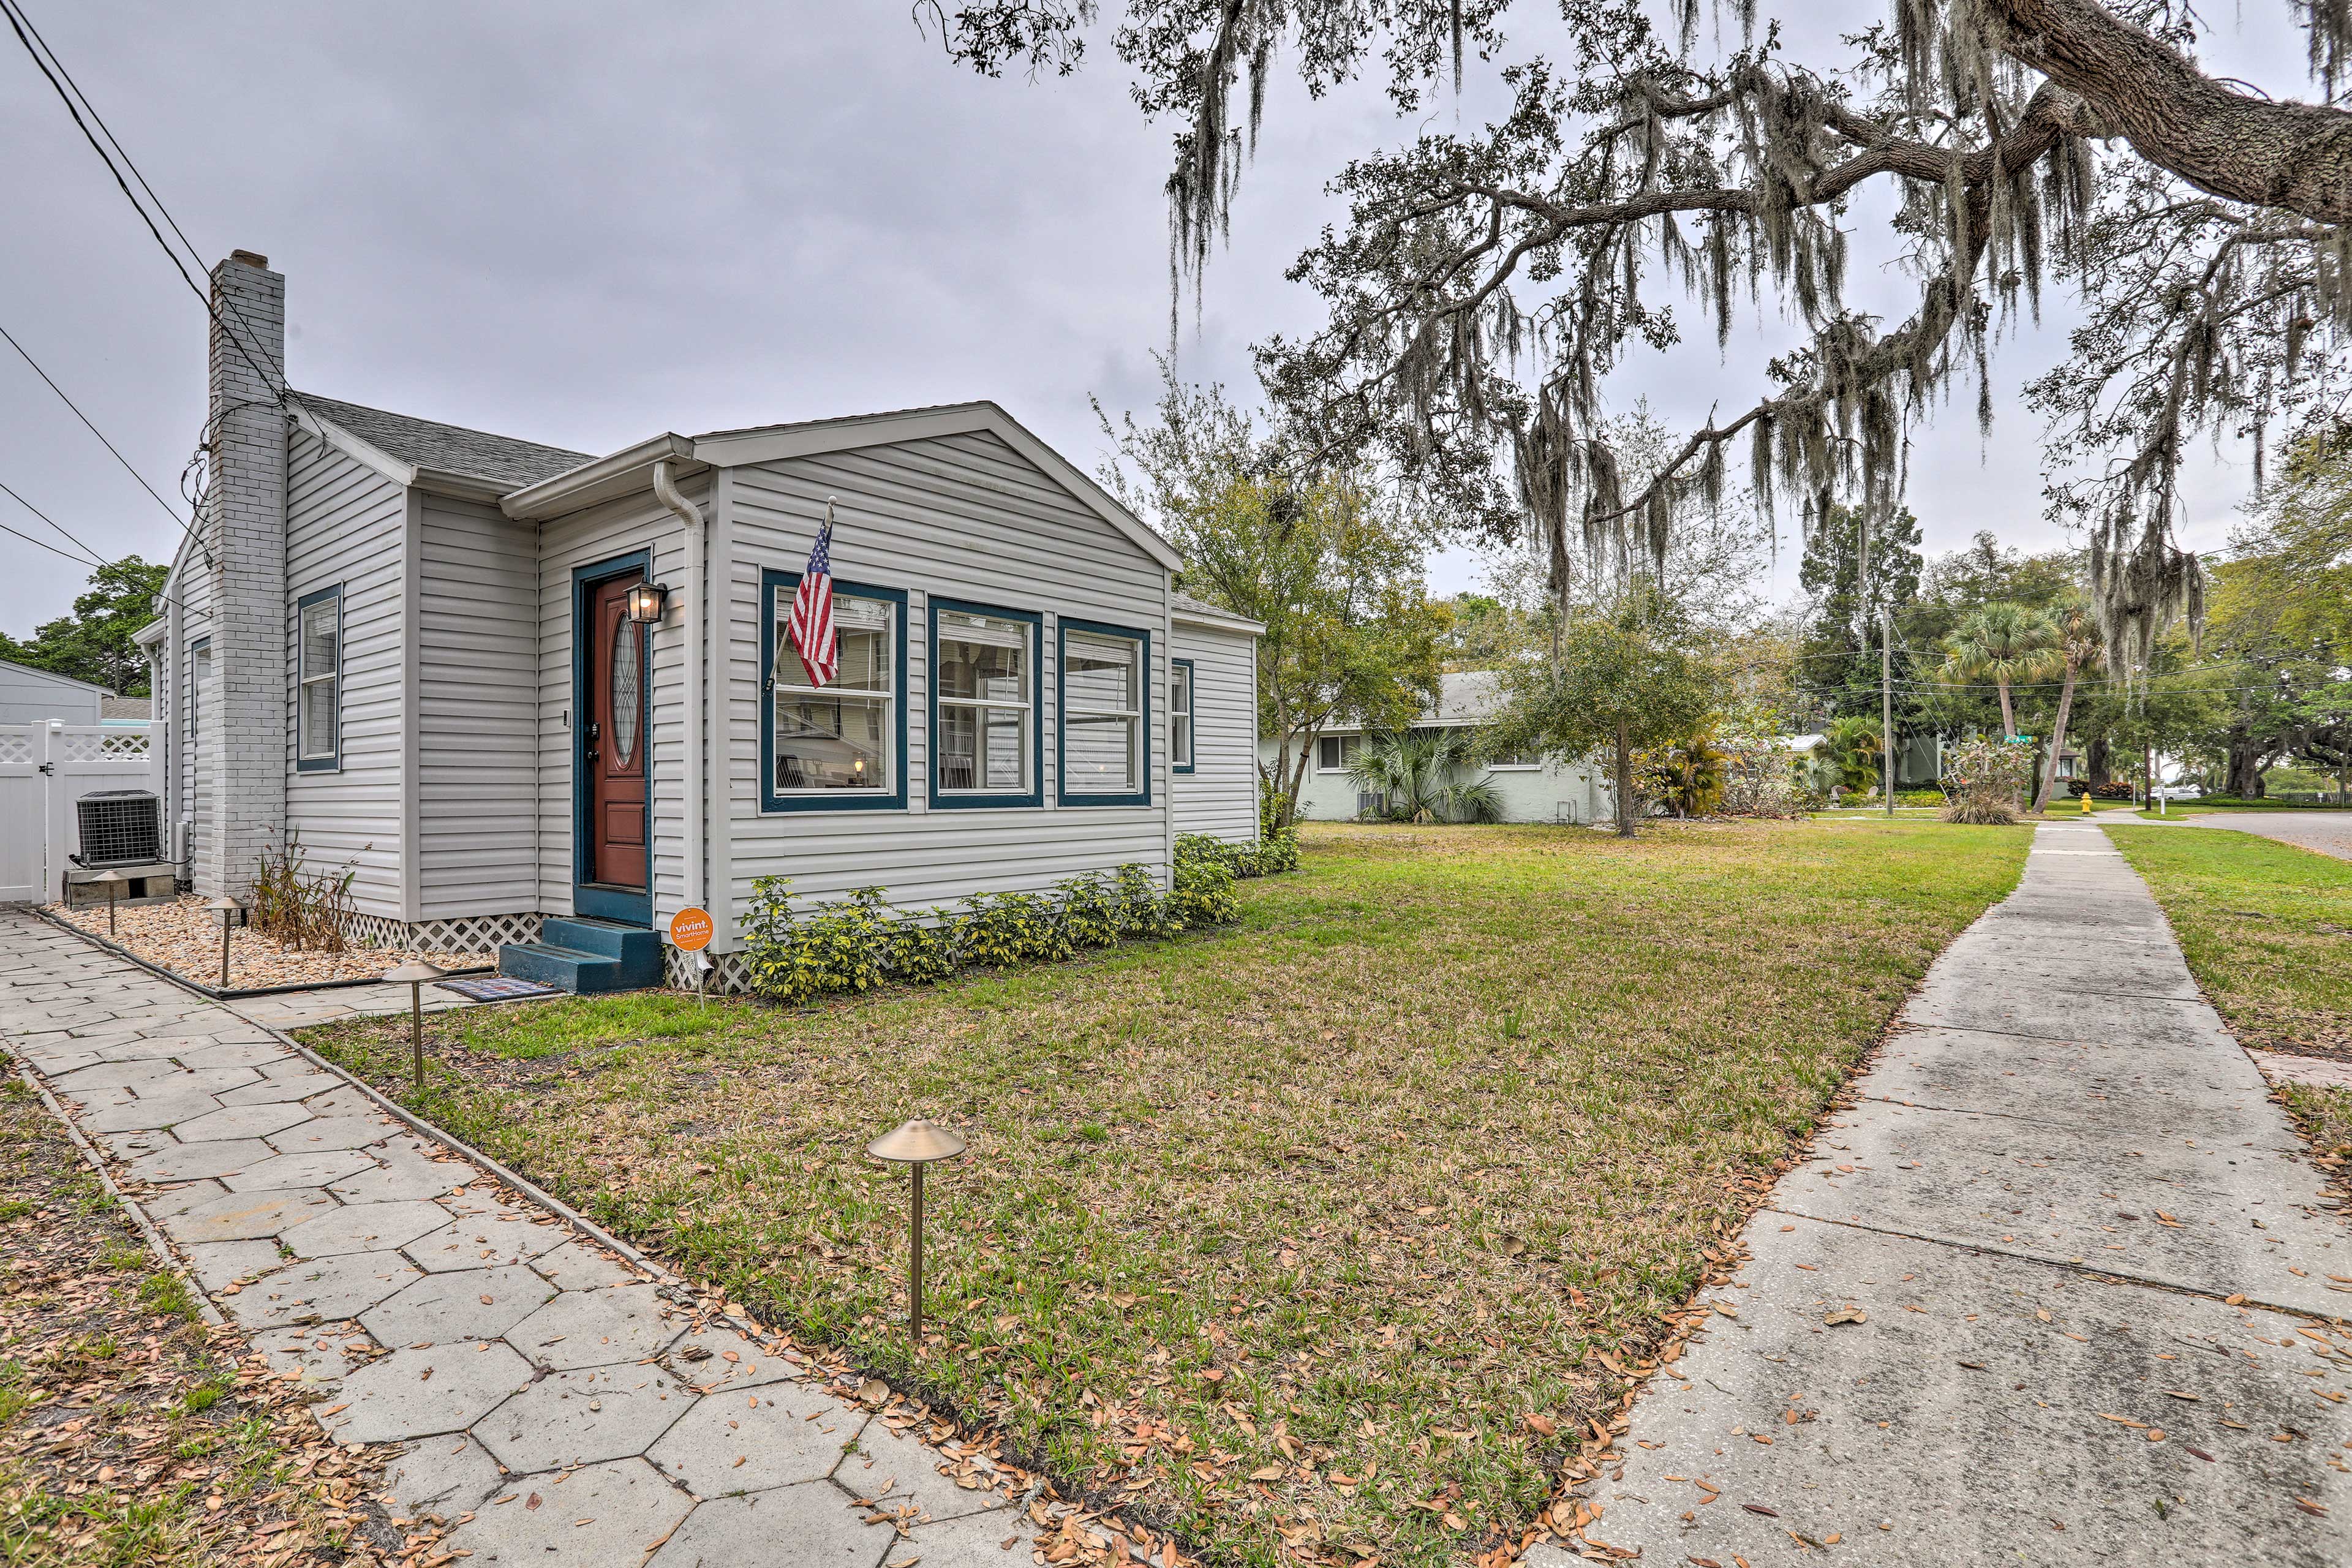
column 627, row 702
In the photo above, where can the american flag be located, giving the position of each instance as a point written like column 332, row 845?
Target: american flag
column 810, row 628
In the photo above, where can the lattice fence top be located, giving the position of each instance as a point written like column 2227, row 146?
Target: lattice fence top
column 83, row 745
column 15, row 746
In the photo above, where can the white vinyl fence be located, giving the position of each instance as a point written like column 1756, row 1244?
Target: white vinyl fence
column 43, row 770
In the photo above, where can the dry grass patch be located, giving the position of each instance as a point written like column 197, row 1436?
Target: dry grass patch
column 1279, row 1235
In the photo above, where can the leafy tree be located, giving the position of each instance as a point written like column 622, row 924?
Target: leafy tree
column 1620, row 680
column 1841, row 636
column 1485, row 284
column 1419, row 774
column 2004, row 643
column 1857, row 747
column 1331, row 567
column 94, row 644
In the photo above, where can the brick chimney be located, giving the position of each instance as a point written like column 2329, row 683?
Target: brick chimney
column 243, row 737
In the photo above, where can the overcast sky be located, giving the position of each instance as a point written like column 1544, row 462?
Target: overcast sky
column 587, row 222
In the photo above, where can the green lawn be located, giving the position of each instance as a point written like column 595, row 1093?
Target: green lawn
column 1281, row 1232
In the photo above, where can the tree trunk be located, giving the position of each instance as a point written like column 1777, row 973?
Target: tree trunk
column 1625, row 783
column 2057, row 740
column 2095, row 760
column 2008, row 714
column 2245, row 780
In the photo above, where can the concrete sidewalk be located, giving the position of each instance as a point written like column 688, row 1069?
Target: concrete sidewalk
column 2326, row 832
column 553, row 1404
column 2060, row 1289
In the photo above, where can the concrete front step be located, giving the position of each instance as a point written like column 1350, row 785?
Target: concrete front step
column 585, row 956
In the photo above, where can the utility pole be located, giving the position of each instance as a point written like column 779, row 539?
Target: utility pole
column 1886, row 708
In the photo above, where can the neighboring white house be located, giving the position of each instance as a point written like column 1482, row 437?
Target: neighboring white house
column 1533, row 789
column 29, row 696
column 509, row 684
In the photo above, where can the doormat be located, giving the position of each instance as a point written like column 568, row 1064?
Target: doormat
column 498, row 988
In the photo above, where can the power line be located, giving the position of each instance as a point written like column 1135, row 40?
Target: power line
column 20, row 25
column 37, row 511
column 96, row 559
column 94, row 430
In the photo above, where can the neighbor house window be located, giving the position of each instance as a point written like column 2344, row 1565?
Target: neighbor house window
column 985, row 739
column 1515, row 759
column 1337, row 753
column 318, row 680
column 841, row 745
column 1105, row 675
column 200, row 680
column 1179, row 715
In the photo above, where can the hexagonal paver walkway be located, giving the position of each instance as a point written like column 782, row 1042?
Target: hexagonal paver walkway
column 556, row 1405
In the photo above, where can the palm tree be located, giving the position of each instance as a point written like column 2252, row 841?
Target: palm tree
column 2077, row 645
column 1853, row 743
column 2003, row 642
column 1419, row 773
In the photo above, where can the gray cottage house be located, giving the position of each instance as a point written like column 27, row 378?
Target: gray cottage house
column 537, row 701
column 1531, row 788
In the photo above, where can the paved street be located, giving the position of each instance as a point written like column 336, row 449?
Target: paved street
column 2328, row 832
column 2059, row 1288
column 554, row 1404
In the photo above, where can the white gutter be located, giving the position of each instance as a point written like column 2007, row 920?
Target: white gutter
column 665, row 490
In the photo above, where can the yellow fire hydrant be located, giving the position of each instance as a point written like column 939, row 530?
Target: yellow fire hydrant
column 2086, row 803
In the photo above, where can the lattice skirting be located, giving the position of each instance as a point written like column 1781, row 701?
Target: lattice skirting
column 727, row 977
column 477, row 934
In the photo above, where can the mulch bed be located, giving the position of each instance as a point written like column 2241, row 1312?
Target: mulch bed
column 184, row 937
column 128, row 1431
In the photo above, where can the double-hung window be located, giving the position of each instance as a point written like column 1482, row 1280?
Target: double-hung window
column 1337, row 754
column 1519, row 759
column 200, row 681
column 1105, row 682
column 1179, row 715
column 319, row 682
column 840, row 745
column 986, row 744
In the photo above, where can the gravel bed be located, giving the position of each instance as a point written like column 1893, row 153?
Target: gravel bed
column 184, row 937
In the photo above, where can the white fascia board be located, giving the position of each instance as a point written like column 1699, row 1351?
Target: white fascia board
column 774, row 443
column 343, row 441
column 153, row 631
column 624, row 472
column 1240, row 625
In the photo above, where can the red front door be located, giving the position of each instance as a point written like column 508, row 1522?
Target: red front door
column 617, row 740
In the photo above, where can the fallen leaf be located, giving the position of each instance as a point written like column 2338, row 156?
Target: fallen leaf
column 1846, row 1315
column 1759, row 1507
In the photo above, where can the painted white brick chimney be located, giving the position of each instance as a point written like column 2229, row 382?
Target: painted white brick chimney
column 246, row 525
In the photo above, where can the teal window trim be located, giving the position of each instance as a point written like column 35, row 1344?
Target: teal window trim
column 1190, row 715
column 1137, row 635
column 330, row 760
column 971, row 800
column 771, row 580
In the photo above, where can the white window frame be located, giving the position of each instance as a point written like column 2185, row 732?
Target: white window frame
column 884, row 791
column 1137, row 789
column 945, row 614
column 1182, row 734
column 307, row 759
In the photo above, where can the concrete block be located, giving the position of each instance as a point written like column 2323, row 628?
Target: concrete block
column 195, row 1162
column 808, row 1526
column 244, row 1216
column 592, row 1328
column 334, row 1133
column 441, row 1478
column 275, row 1170
column 593, row 1517
column 363, row 1227
column 897, row 1468
column 322, row 1292
column 463, row 1304
column 584, row 1266
column 239, row 1121
column 418, row 1393
column 748, row 1441
column 500, row 1234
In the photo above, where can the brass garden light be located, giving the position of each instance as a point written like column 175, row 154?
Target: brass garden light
column 112, row 882
column 916, row 1145
column 413, row 976
column 226, row 909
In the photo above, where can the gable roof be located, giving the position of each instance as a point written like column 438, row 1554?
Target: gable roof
column 1200, row 612
column 504, row 461
column 51, row 675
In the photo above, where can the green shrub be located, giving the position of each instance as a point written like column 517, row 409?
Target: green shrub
column 1203, row 894
column 1006, row 929
column 1089, row 909
column 1278, row 852
column 1142, row 912
column 922, row 949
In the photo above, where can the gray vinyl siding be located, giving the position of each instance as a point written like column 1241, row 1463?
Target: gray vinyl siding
column 1219, row 796
column 195, row 600
column 345, row 524
column 583, row 539
column 35, row 696
column 963, row 517
column 478, row 713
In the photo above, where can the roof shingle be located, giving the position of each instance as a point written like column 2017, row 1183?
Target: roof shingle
column 428, row 444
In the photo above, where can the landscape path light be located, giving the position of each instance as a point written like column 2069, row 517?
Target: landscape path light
column 413, row 976
column 915, row 1146
column 226, row 909
column 112, row 882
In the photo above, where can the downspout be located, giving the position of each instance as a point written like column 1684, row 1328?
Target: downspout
column 665, row 490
